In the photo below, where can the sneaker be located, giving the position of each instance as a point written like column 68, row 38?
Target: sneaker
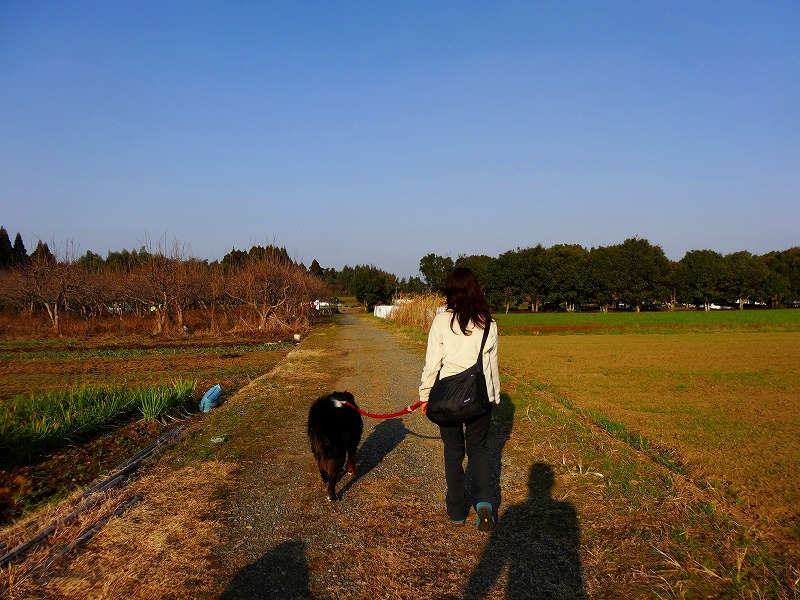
column 458, row 523
column 485, row 520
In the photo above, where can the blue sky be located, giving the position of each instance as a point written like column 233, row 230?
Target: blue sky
column 378, row 132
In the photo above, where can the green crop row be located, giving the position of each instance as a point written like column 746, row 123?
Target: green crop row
column 53, row 419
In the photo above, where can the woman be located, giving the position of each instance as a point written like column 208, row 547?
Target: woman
column 453, row 345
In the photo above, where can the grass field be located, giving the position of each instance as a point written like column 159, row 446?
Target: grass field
column 649, row 322
column 713, row 396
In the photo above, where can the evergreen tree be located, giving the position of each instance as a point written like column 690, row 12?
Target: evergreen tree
column 42, row 251
column 316, row 270
column 6, row 251
column 20, row 254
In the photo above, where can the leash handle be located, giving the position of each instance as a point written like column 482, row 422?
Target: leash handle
column 408, row 409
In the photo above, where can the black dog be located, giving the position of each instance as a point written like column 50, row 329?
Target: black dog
column 334, row 431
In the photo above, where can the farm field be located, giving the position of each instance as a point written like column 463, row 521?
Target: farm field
column 38, row 367
column 681, row 321
column 717, row 401
column 587, row 510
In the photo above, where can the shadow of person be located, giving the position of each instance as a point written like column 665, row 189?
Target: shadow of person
column 280, row 573
column 538, row 541
column 499, row 434
column 386, row 436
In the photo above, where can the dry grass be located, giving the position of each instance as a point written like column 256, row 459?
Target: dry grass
column 174, row 523
column 728, row 404
column 417, row 310
column 645, row 532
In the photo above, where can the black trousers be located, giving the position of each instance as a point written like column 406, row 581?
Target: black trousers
column 469, row 438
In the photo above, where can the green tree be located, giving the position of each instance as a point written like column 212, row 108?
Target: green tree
column 42, row 253
column 20, row 255
column 91, row 261
column 644, row 273
column 434, row 270
column 783, row 283
column 529, row 264
column 343, row 279
column 412, row 285
column 480, row 264
column 701, row 278
column 125, row 261
column 565, row 275
column 372, row 286
column 602, row 284
column 315, row 270
column 234, row 259
column 676, row 269
column 6, row 250
column 745, row 276
column 503, row 286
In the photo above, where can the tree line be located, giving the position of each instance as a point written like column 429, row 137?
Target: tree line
column 262, row 290
column 634, row 274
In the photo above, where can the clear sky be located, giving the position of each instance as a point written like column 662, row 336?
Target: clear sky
column 379, row 132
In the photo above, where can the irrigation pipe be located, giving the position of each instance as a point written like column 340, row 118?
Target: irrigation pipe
column 86, row 535
column 45, row 533
column 119, row 473
column 134, row 461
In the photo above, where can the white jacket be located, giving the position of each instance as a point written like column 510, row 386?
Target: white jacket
column 452, row 352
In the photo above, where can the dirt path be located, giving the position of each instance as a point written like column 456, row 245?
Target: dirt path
column 381, row 539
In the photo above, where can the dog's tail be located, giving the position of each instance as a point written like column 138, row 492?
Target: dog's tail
column 331, row 467
column 325, row 454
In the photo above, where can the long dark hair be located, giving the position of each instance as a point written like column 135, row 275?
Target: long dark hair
column 466, row 299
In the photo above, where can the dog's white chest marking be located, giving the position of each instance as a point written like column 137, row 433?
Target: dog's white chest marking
column 337, row 403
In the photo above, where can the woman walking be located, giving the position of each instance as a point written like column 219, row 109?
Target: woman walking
column 454, row 342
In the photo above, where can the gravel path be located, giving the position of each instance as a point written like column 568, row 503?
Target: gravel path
column 386, row 535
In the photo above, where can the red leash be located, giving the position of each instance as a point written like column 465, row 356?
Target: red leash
column 405, row 411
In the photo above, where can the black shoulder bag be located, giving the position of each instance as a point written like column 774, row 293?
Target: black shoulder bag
column 461, row 397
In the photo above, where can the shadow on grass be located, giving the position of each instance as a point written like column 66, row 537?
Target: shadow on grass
column 538, row 540
column 499, row 434
column 280, row 573
column 384, row 438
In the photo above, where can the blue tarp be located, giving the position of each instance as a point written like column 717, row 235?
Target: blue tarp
column 210, row 399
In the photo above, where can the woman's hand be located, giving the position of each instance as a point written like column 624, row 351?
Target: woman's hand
column 424, row 408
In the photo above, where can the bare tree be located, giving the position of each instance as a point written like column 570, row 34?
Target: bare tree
column 212, row 295
column 278, row 291
column 13, row 289
column 51, row 283
column 190, row 280
column 155, row 282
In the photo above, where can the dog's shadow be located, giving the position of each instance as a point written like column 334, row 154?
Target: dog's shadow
column 386, row 436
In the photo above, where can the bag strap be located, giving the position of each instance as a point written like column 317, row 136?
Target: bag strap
column 480, row 352
column 483, row 343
